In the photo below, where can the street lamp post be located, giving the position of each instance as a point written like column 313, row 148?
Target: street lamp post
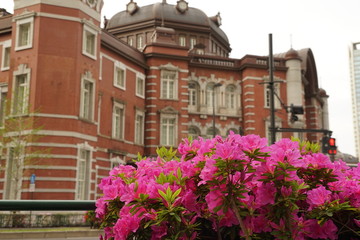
column 215, row 86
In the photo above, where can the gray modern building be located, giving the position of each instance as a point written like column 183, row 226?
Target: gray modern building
column 355, row 90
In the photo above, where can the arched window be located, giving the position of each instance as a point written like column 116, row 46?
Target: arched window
column 194, row 132
column 230, row 97
column 233, row 130
column 211, row 132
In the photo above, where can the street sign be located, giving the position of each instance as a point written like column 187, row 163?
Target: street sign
column 32, row 187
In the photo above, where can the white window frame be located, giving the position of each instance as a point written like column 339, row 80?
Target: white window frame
column 116, row 161
column 166, row 83
column 278, row 135
column 167, row 141
column 85, row 195
column 192, row 42
column 87, row 29
column 267, row 96
column 139, row 127
column 139, row 41
column 140, row 85
column 89, row 114
column 3, row 104
column 26, row 72
column 119, row 66
column 19, row 167
column 182, row 40
column 20, row 22
column 5, row 58
column 118, row 121
column 231, row 101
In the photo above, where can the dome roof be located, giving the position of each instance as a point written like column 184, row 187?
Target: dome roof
column 292, row 54
column 169, row 14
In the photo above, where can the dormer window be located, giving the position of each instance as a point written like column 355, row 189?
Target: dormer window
column 182, row 6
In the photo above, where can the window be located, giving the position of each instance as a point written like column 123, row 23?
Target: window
column 118, row 121
column 139, row 127
column 168, row 84
column 230, row 97
column 83, row 174
column 116, row 161
column 194, row 132
column 168, row 131
column 130, row 41
column 182, row 40
column 210, row 95
column 20, row 101
column 278, row 135
column 89, row 42
column 119, row 75
column 211, row 132
column 6, row 56
column 14, row 171
column 140, row 85
column 192, row 42
column 87, row 97
column 139, row 41
column 267, row 95
column 3, row 95
column 193, row 94
column 24, row 33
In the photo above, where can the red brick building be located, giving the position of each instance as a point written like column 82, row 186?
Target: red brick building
column 152, row 76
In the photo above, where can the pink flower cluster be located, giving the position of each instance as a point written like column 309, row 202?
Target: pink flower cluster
column 234, row 184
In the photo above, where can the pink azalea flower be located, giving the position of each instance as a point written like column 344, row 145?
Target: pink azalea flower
column 327, row 231
column 158, row 231
column 318, row 196
column 265, row 194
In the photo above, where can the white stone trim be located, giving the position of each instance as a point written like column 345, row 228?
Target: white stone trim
column 78, row 5
column 89, row 28
column 121, row 66
column 6, row 44
column 21, row 20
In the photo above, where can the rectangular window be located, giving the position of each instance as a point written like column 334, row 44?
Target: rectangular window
column 24, row 33
column 139, row 41
column 182, row 40
column 140, row 86
column 192, row 42
column 118, row 121
column 268, row 94
column 89, row 42
column 83, row 175
column 87, row 99
column 5, row 57
column 3, row 95
column 119, row 76
column 168, row 131
column 168, row 84
column 20, row 101
column 139, row 128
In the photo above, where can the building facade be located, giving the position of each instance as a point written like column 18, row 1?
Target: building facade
column 354, row 54
column 150, row 77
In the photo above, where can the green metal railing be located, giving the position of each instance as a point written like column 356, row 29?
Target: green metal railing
column 47, row 205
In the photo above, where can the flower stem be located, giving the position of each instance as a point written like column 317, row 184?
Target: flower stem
column 241, row 222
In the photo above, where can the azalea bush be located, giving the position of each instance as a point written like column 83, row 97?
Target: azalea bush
column 233, row 188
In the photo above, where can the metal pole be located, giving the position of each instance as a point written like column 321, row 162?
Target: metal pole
column 213, row 101
column 213, row 93
column 272, row 92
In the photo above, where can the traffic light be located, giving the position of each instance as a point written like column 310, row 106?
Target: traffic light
column 295, row 110
column 332, row 147
column 329, row 145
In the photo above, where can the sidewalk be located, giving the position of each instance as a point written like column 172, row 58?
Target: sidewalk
column 48, row 233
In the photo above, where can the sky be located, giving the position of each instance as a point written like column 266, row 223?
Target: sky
column 326, row 26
